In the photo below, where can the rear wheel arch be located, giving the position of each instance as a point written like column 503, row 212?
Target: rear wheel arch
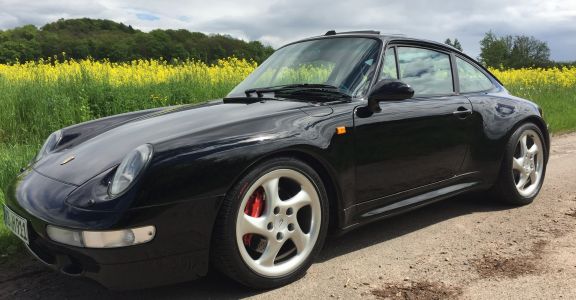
column 533, row 120
column 539, row 122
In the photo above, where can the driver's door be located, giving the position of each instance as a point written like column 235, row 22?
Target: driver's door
column 414, row 142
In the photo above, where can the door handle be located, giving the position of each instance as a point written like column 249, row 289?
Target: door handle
column 462, row 112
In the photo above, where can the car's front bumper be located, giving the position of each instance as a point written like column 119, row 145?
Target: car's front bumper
column 120, row 276
column 179, row 252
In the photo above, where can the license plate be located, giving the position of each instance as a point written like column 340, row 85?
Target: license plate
column 16, row 224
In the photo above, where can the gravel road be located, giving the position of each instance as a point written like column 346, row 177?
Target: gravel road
column 465, row 248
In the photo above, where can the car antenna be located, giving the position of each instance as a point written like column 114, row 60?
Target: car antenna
column 330, row 32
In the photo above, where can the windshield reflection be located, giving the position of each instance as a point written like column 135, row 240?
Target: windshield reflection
column 346, row 63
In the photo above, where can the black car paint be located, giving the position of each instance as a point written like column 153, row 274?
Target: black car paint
column 386, row 163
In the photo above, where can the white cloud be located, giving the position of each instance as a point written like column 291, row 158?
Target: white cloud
column 281, row 21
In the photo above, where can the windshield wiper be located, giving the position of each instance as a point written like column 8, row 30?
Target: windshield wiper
column 270, row 89
column 322, row 90
column 313, row 94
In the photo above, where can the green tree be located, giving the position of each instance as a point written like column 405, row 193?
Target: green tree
column 81, row 38
column 456, row 44
column 513, row 51
column 528, row 51
column 19, row 44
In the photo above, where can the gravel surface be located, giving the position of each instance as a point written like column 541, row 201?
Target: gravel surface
column 462, row 248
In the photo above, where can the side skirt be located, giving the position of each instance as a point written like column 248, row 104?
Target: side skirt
column 374, row 210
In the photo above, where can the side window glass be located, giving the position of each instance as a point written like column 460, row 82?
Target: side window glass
column 427, row 71
column 389, row 67
column 471, row 79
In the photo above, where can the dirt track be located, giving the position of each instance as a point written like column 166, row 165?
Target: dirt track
column 466, row 247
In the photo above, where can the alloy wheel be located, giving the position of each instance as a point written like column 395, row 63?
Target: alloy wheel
column 528, row 163
column 278, row 223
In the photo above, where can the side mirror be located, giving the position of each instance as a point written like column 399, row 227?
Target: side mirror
column 388, row 90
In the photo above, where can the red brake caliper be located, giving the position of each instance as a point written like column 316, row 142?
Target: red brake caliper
column 254, row 208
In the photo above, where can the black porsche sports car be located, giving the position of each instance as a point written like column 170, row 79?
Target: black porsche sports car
column 329, row 133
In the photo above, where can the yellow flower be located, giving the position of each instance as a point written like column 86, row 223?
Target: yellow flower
column 535, row 77
column 137, row 72
column 226, row 72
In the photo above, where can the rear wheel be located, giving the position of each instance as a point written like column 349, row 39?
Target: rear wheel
column 524, row 166
column 271, row 225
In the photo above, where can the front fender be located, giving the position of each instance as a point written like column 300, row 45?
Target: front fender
column 211, row 171
column 182, row 172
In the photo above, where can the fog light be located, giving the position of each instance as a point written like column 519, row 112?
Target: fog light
column 101, row 239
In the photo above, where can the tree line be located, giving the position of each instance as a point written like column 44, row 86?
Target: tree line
column 105, row 39
column 511, row 52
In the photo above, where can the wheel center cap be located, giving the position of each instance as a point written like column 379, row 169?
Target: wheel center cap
column 281, row 223
column 527, row 166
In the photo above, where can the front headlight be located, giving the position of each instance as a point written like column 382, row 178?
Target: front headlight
column 101, row 239
column 49, row 145
column 129, row 169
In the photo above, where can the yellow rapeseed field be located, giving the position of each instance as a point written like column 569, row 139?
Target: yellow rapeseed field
column 564, row 77
column 143, row 72
column 137, row 72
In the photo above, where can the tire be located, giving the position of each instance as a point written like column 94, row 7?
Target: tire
column 271, row 244
column 523, row 168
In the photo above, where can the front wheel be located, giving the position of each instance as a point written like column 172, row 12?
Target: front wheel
column 523, row 167
column 271, row 225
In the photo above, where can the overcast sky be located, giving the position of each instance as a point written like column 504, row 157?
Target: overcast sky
column 276, row 22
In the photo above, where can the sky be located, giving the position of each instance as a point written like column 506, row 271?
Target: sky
column 276, row 22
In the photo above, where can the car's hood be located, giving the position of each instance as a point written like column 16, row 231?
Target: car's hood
column 109, row 144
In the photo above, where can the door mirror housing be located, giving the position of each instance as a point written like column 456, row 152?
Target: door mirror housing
column 388, row 90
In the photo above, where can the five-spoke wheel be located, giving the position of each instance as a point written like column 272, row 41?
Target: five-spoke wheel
column 524, row 166
column 527, row 163
column 279, row 223
column 272, row 224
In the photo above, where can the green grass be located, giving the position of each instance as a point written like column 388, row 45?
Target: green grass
column 12, row 158
column 558, row 104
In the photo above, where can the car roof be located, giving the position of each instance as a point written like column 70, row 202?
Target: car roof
column 386, row 38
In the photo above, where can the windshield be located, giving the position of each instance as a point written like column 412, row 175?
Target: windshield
column 345, row 63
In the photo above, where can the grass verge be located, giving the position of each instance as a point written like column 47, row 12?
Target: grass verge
column 12, row 158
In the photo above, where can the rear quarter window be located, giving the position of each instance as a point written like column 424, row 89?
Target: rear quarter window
column 471, row 79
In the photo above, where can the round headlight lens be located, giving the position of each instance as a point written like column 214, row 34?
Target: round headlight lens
column 129, row 169
column 49, row 145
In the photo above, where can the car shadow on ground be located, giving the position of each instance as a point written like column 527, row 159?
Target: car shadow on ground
column 390, row 228
column 55, row 286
